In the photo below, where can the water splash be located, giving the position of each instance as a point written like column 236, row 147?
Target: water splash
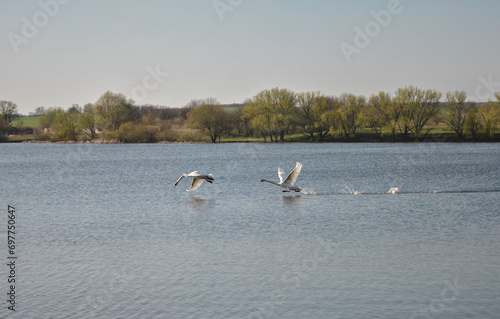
column 393, row 190
column 351, row 191
column 307, row 191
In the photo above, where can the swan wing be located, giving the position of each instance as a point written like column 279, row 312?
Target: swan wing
column 292, row 177
column 281, row 174
column 178, row 180
column 194, row 174
column 196, row 183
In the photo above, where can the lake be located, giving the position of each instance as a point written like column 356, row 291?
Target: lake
column 102, row 233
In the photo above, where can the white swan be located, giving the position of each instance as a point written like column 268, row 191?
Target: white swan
column 197, row 179
column 287, row 183
column 393, row 190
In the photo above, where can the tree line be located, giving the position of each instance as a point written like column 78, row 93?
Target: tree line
column 411, row 113
column 408, row 114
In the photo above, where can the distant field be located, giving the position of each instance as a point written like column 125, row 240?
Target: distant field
column 230, row 109
column 31, row 121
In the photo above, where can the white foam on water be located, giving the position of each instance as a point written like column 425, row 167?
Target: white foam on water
column 307, row 191
column 351, row 191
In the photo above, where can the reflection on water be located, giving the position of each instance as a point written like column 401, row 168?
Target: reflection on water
column 291, row 198
column 198, row 201
column 292, row 201
column 197, row 208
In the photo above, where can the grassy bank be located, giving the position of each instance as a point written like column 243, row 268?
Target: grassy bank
column 364, row 136
column 437, row 133
column 28, row 121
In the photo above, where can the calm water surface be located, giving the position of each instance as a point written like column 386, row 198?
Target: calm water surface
column 102, row 232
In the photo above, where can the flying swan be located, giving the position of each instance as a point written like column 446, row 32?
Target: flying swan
column 287, row 183
column 197, row 179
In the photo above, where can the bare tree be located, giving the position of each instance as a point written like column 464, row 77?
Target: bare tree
column 9, row 111
column 39, row 111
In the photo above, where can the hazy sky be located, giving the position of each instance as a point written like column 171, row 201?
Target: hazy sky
column 60, row 52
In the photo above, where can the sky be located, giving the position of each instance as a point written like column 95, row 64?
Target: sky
column 55, row 53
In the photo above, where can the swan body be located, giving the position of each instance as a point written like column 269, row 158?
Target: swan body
column 287, row 181
column 393, row 190
column 197, row 179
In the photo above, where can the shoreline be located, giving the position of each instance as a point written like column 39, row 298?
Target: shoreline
column 362, row 137
column 428, row 140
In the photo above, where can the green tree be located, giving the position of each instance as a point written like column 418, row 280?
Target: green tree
column 3, row 123
column 311, row 107
column 387, row 112
column 275, row 111
column 87, row 119
column 282, row 104
column 373, row 115
column 237, row 123
column 259, row 118
column 428, row 107
column 48, row 117
column 3, row 127
column 137, row 133
column 490, row 114
column 9, row 111
column 321, row 107
column 210, row 118
column 115, row 109
column 188, row 108
column 455, row 112
column 307, row 117
column 405, row 102
column 417, row 107
column 67, row 126
column 473, row 120
column 349, row 113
